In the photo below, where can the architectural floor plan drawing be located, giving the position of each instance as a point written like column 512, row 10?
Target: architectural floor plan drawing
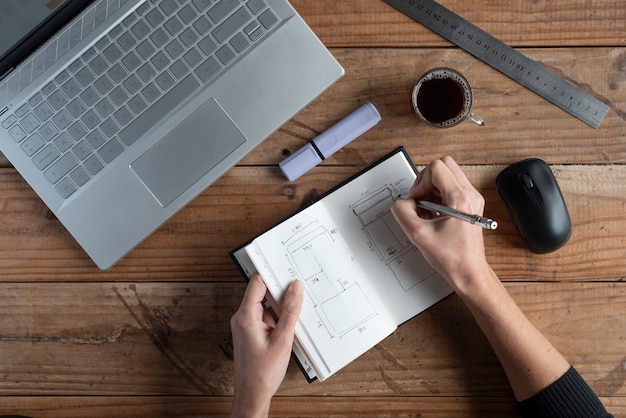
column 387, row 239
column 338, row 299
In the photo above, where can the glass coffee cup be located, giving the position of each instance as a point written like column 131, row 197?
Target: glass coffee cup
column 443, row 98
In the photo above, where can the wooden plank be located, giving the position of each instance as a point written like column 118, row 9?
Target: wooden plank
column 537, row 23
column 519, row 123
column 534, row 127
column 118, row 339
column 194, row 244
column 363, row 406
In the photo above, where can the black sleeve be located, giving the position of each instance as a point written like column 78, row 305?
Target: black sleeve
column 570, row 397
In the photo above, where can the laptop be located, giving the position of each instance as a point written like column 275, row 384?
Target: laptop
column 119, row 112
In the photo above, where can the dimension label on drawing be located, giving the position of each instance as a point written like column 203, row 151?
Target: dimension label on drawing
column 510, row 62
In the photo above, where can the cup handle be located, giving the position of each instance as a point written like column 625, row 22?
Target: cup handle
column 476, row 119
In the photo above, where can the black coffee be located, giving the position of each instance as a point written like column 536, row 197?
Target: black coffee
column 440, row 99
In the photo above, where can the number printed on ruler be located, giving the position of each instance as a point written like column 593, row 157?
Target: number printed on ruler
column 505, row 59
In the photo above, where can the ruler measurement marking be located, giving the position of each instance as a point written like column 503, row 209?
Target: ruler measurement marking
column 505, row 59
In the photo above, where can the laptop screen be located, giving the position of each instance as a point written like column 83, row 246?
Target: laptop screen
column 28, row 23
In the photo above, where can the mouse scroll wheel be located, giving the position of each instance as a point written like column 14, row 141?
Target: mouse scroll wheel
column 528, row 181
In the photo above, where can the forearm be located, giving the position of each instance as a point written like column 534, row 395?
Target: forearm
column 244, row 407
column 457, row 251
column 529, row 360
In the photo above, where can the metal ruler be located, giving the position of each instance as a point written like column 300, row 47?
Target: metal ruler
column 510, row 62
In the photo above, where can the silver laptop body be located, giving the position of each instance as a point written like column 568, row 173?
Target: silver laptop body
column 134, row 107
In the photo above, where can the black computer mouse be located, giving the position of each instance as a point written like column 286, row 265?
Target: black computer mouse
column 534, row 200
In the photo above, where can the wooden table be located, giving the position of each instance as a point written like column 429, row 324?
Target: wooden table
column 151, row 336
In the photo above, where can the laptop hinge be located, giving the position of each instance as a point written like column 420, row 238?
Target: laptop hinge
column 3, row 111
column 6, row 73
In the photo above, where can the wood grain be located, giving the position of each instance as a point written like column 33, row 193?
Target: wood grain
column 373, row 23
column 150, row 337
column 199, row 406
column 518, row 122
column 117, row 339
column 194, row 244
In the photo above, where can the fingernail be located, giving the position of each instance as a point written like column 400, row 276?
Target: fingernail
column 297, row 287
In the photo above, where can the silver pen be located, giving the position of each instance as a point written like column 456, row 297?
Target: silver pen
column 473, row 219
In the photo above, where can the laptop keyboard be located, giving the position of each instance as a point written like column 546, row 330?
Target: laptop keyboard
column 129, row 80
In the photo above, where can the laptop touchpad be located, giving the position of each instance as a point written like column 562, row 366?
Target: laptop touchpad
column 188, row 152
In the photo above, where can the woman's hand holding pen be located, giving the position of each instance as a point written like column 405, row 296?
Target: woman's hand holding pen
column 454, row 247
